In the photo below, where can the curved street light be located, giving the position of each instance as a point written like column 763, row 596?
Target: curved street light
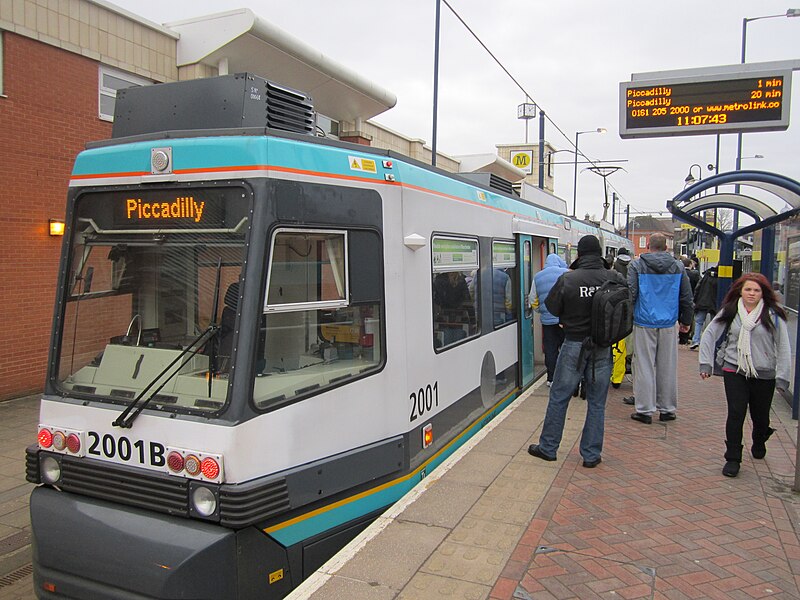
column 690, row 178
column 575, row 166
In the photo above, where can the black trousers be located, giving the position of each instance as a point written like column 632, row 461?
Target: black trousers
column 743, row 394
column 552, row 338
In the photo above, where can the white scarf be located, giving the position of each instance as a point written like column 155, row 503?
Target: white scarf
column 749, row 321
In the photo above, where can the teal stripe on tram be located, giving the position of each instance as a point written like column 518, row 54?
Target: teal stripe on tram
column 368, row 502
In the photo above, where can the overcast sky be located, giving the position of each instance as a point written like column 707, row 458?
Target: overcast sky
column 570, row 55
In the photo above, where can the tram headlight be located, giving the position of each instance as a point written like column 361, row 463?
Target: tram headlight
column 50, row 469
column 204, row 501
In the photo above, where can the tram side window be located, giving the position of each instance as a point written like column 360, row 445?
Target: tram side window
column 319, row 331
column 455, row 290
column 504, row 274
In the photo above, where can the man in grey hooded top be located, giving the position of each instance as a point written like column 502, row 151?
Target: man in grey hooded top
column 661, row 296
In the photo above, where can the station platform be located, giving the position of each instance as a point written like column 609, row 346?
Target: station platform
column 656, row 519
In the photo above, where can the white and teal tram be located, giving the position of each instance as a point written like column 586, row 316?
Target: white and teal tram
column 262, row 339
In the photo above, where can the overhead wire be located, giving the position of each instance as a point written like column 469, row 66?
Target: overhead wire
column 529, row 96
column 517, row 83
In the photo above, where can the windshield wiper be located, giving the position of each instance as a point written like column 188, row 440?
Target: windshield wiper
column 126, row 418
column 212, row 351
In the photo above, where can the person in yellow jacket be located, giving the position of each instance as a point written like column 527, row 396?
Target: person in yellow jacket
column 619, row 351
column 619, row 354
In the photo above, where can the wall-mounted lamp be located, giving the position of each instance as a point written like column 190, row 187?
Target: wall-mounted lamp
column 690, row 178
column 56, row 227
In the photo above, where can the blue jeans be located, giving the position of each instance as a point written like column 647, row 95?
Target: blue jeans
column 552, row 338
column 700, row 317
column 569, row 372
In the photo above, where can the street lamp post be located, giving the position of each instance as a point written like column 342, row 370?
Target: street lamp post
column 792, row 12
column 575, row 165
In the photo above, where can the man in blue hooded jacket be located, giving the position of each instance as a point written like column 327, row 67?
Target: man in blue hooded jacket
column 552, row 334
column 661, row 296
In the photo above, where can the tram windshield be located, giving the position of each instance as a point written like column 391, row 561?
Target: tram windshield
column 149, row 276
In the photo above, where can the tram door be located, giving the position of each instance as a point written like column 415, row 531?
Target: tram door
column 540, row 252
column 526, row 320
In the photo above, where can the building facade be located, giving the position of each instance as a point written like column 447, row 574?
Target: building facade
column 61, row 63
column 641, row 227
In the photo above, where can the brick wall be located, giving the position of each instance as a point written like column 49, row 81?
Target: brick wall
column 48, row 114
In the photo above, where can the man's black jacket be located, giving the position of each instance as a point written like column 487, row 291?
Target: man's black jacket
column 571, row 297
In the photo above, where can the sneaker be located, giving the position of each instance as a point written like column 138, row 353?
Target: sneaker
column 534, row 450
column 693, row 346
column 549, row 384
column 642, row 418
column 629, row 400
column 666, row 417
column 731, row 469
column 591, row 464
column 616, row 385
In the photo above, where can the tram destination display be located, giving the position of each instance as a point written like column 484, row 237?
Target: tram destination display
column 710, row 104
column 165, row 209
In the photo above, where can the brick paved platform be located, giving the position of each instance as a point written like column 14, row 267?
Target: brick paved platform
column 656, row 520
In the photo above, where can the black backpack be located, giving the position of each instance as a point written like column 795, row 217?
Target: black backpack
column 612, row 313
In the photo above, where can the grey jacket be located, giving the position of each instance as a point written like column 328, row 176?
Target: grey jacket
column 770, row 349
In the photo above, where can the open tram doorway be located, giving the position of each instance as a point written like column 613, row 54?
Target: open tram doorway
column 532, row 251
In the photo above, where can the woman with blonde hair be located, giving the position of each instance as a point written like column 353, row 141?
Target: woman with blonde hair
column 749, row 340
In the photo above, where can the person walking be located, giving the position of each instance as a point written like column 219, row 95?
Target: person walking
column 705, row 304
column 622, row 262
column 661, row 296
column 552, row 334
column 691, row 272
column 685, row 337
column 755, row 356
column 570, row 300
column 621, row 351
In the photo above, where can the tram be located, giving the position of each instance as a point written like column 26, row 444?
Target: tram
column 261, row 340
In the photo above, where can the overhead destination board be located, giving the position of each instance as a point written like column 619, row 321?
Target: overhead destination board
column 709, row 104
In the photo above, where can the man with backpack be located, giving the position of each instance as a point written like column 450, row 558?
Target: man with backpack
column 584, row 353
column 662, row 296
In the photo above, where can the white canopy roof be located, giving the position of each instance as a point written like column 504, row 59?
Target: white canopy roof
column 239, row 41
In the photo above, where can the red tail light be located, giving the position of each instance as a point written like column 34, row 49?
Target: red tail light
column 45, row 438
column 73, row 443
column 209, row 468
column 195, row 464
column 175, row 462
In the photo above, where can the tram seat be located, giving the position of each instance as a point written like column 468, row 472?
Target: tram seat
column 452, row 325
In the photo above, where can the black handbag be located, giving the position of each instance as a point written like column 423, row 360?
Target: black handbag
column 719, row 351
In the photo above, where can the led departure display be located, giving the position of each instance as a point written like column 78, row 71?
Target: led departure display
column 705, row 105
column 165, row 209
